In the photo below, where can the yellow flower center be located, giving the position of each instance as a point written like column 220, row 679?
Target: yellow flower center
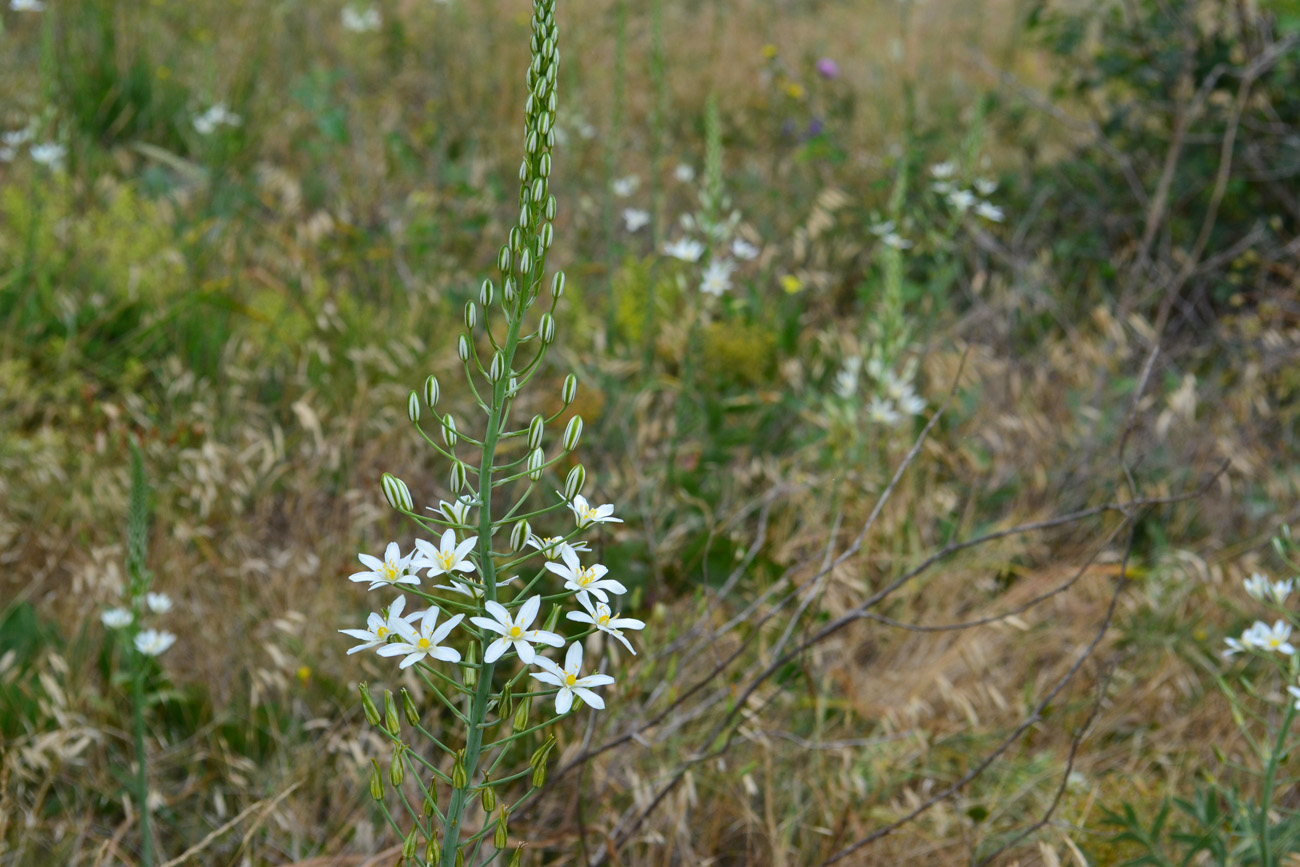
column 445, row 560
column 390, row 572
column 423, row 644
column 603, row 619
column 588, row 513
column 570, row 680
column 515, row 633
column 382, row 632
column 585, row 577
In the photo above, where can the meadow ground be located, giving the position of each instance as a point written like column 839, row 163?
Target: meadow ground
column 938, row 511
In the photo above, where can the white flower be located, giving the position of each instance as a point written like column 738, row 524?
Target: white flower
column 846, row 381
column 910, row 403
column 1234, row 647
column 116, row 618
column 152, row 642
column 568, row 681
column 448, row 557
column 897, row 241
column 883, row 412
column 684, row 173
column 717, row 277
column 943, row 171
column 989, row 212
column 1295, row 693
column 217, row 115
column 7, row 154
column 551, row 546
column 159, row 603
column 585, row 129
column 961, row 200
column 457, row 512
column 686, row 249
column 985, row 186
column 1278, row 591
column 361, row 20
column 378, row 629
column 393, row 569
column 943, row 188
column 600, row 617
column 1262, row 637
column 590, row 579
column 49, row 154
column 12, row 142
column 515, row 631
column 882, row 228
column 26, row 5
column 624, row 187
column 743, row 250
column 586, row 514
column 416, row 645
column 1257, row 586
column 635, row 219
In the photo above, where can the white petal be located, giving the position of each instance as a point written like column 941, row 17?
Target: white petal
column 573, row 659
column 497, row 610
column 590, row 697
column 495, row 649
column 547, row 677
column 528, row 613
column 525, row 651
column 490, row 625
column 563, row 700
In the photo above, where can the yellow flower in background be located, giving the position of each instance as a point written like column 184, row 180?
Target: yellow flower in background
column 794, row 90
column 791, row 284
column 769, row 51
column 304, row 674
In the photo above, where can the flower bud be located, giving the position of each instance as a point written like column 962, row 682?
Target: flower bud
column 550, row 206
column 470, row 672
column 519, row 721
column 539, row 755
column 550, row 138
column 397, row 770
column 499, row 836
column 497, row 368
column 519, row 535
column 368, row 704
column 431, row 391
column 396, row 492
column 409, row 844
column 471, row 315
column 525, row 217
column 517, row 858
column 553, row 618
column 391, row 722
column 408, row 706
column 413, row 407
column 510, row 291
column 487, row 797
column 539, row 189
column 572, row 433
column 449, row 431
column 526, row 262
column 460, row 858
column 574, row 481
column 462, row 348
column 433, row 852
column 486, row 293
column 551, row 103
column 376, row 781
column 429, row 799
column 545, row 126
column 536, row 460
column 530, row 144
column 523, row 170
column 546, row 329
column 457, row 477
column 557, row 284
column 503, row 260
column 516, row 238
column 459, row 779
column 547, row 236
column 536, row 428
column 528, row 103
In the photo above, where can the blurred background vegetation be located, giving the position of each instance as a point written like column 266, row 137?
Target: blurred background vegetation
column 243, row 231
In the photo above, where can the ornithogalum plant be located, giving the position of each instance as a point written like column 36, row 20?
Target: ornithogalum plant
column 478, row 647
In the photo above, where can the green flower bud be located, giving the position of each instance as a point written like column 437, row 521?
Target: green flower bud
column 572, row 433
column 413, row 407
column 557, row 285
column 470, row 672
column 539, row 189
column 503, row 260
column 429, row 805
column 408, row 705
column 396, row 492
column 547, row 236
column 539, row 755
column 536, row 428
column 536, row 460
column 471, row 315
column 431, row 391
column 574, row 481
column 525, row 217
column 499, row 836
column 397, row 768
column 519, row 534
column 460, row 858
column 449, row 431
column 531, row 143
column 462, row 348
column 433, row 852
column 497, row 368
column 523, row 168
column 486, row 293
column 488, row 797
column 368, row 704
column 510, row 291
column 546, row 329
column 517, row 858
column 550, row 204
column 516, row 238
column 525, row 262
column 457, row 476
column 519, row 721
column 376, row 781
column 391, row 722
column 409, row 844
column 459, row 779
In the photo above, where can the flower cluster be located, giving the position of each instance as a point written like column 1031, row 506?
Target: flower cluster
column 962, row 200
column 1260, row 637
column 150, row 642
column 219, row 115
column 894, row 398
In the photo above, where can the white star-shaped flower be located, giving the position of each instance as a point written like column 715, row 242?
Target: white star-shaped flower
column 152, row 642
column 985, row 186
column 883, row 412
column 635, row 219
column 378, row 629
column 743, row 250
column 961, row 200
column 392, row 570
column 717, row 277
column 569, row 682
column 424, row 642
column 603, row 619
column 457, row 512
column 943, row 171
column 1256, row 586
column 686, row 249
column 159, row 603
column 990, row 212
column 586, row 514
column 624, row 187
column 591, row 579
column 116, row 618
column 515, row 631
column 1277, row 638
column 448, row 557
column 473, row 590
column 552, row 546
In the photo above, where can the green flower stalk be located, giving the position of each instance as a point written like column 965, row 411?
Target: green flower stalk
column 478, row 639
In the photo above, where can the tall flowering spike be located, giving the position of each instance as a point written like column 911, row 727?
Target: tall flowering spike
column 396, row 492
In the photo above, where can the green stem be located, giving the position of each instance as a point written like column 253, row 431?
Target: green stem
column 1270, row 776
column 141, row 757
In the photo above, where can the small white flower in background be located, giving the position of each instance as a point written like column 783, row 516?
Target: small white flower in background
column 552, row 546
column 26, row 5
column 893, row 385
column 515, row 631
column 569, row 682
column 985, row 187
column 883, row 412
column 989, row 212
column 116, row 618
column 943, row 171
column 876, row 368
column 1278, row 591
column 1295, row 693
column 635, row 219
column 1234, row 647
column 360, row 20
column 10, row 142
column 1277, row 638
column 846, row 381
column 684, row 173
column 378, row 629
column 717, row 277
column 586, row 130
column 393, row 569
column 586, row 514
column 943, row 188
column 624, row 187
column 961, row 200
column 416, row 645
column 910, row 403
column 456, row 513
column 603, row 619
column 447, row 557
column 218, row 115
column 897, row 241
column 49, row 154
column 590, row 579
column 686, row 249
column 159, row 603
column 884, row 227
column 743, row 250
column 152, row 642
column 1257, row 586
